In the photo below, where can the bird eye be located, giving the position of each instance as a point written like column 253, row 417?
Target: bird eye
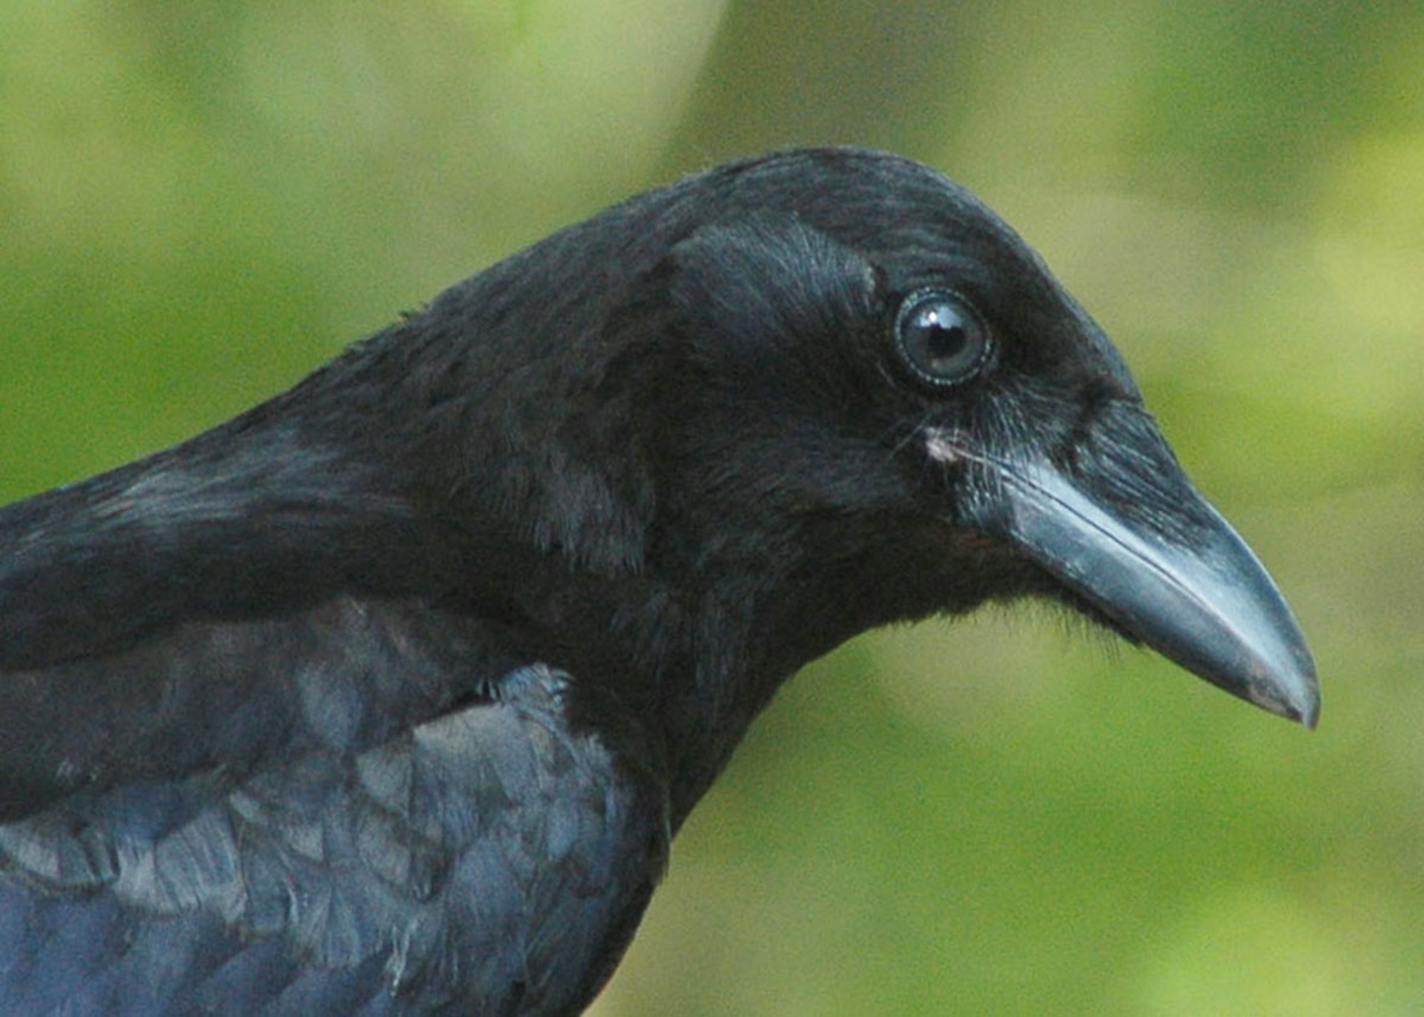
column 942, row 338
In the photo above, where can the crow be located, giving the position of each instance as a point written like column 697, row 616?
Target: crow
column 388, row 696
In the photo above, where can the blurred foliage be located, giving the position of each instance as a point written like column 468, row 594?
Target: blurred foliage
column 201, row 201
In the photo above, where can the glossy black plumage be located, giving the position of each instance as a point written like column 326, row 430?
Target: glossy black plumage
column 387, row 696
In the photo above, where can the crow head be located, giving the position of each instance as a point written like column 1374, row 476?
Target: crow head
column 726, row 425
column 862, row 398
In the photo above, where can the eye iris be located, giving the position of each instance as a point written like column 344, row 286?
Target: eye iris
column 941, row 337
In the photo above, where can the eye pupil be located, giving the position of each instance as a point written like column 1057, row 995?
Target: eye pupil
column 945, row 341
column 941, row 338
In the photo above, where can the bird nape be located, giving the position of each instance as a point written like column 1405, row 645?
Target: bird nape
column 387, row 696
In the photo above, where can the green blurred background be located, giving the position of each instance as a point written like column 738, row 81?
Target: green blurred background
column 200, row 201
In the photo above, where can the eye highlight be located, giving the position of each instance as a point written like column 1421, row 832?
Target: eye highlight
column 941, row 337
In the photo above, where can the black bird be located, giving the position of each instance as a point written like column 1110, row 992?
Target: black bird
column 387, row 696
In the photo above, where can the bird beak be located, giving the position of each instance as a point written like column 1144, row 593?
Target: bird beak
column 1203, row 601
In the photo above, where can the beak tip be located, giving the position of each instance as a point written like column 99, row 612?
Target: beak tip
column 1306, row 714
column 1295, row 696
